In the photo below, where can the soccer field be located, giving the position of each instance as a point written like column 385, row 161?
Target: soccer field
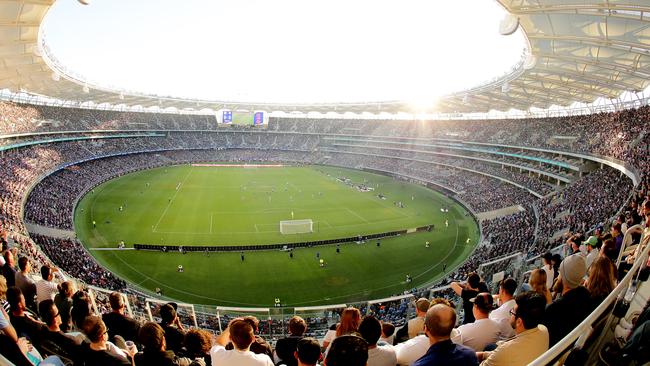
column 201, row 206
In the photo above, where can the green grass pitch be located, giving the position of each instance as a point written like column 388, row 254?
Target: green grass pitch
column 191, row 205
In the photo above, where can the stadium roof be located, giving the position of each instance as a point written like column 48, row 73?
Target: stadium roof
column 578, row 53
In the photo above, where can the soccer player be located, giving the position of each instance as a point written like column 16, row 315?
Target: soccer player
column 242, row 256
column 426, row 244
column 180, row 268
column 321, row 262
column 94, row 224
column 446, row 223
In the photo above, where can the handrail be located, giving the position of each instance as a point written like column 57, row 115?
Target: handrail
column 585, row 326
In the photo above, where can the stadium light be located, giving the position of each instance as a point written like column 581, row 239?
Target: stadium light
column 505, row 87
column 508, row 25
column 530, row 62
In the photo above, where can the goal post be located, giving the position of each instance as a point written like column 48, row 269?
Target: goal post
column 296, row 226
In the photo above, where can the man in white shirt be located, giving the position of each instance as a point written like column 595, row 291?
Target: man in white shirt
column 241, row 334
column 410, row 351
column 370, row 329
column 46, row 288
column 483, row 330
column 501, row 315
column 532, row 337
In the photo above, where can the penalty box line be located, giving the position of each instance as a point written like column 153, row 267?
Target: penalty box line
column 171, row 200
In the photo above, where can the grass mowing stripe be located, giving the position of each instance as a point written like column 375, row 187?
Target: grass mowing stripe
column 245, row 206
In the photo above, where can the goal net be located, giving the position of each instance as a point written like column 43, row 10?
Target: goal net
column 296, row 226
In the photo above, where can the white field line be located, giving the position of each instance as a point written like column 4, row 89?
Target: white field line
column 357, row 215
column 171, row 201
column 107, row 249
column 443, row 259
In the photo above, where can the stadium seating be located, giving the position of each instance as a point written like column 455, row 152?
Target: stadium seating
column 553, row 168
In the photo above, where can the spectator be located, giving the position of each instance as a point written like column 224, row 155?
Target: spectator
column 414, row 326
column 171, row 325
column 601, row 281
column 63, row 302
column 117, row 322
column 259, row 345
column 25, row 282
column 547, row 259
column 21, row 320
column 411, row 350
column 307, row 352
column 240, row 333
column 52, row 338
column 81, row 308
column 439, row 322
column 565, row 313
column 501, row 315
column 531, row 340
column 591, row 246
column 155, row 353
column 387, row 333
column 347, row 350
column 483, row 331
column 100, row 351
column 537, row 283
column 285, row 347
column 349, row 324
column 8, row 270
column 467, row 292
column 370, row 330
column 198, row 343
column 46, row 288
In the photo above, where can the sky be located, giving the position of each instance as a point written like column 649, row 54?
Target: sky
column 284, row 50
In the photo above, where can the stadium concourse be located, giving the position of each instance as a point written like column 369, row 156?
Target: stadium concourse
column 566, row 190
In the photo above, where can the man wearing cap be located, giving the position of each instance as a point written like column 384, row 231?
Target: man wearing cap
column 592, row 250
column 414, row 326
column 574, row 305
column 483, row 330
column 531, row 340
column 501, row 315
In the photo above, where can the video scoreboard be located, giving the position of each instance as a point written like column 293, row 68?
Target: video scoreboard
column 256, row 118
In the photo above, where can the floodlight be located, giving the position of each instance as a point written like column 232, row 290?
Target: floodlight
column 508, row 25
column 530, row 62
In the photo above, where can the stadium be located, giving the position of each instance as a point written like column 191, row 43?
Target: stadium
column 222, row 208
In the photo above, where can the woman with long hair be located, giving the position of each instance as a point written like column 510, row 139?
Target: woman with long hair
column 602, row 279
column 350, row 319
column 537, row 284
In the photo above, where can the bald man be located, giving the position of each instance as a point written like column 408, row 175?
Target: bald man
column 439, row 321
